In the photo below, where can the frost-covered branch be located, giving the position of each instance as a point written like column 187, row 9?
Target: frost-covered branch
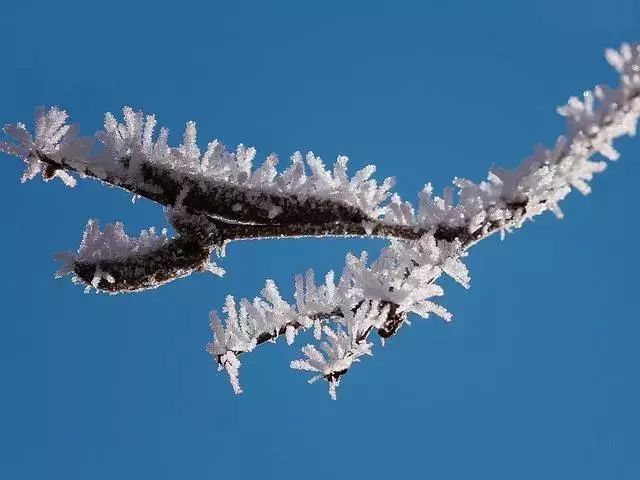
column 217, row 196
column 112, row 261
column 377, row 296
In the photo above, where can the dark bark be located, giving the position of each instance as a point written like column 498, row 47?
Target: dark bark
column 179, row 257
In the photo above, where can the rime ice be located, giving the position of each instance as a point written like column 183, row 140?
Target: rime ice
column 216, row 195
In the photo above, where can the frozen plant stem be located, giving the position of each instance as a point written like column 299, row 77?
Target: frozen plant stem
column 216, row 197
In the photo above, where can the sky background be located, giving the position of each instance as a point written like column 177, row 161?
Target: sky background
column 536, row 377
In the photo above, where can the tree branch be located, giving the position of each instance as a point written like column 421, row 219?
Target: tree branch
column 177, row 258
column 216, row 197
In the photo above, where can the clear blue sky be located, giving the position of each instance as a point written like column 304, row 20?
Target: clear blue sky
column 537, row 377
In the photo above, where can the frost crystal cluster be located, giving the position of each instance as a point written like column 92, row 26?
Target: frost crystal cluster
column 216, row 196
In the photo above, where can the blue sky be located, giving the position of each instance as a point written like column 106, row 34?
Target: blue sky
column 535, row 378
